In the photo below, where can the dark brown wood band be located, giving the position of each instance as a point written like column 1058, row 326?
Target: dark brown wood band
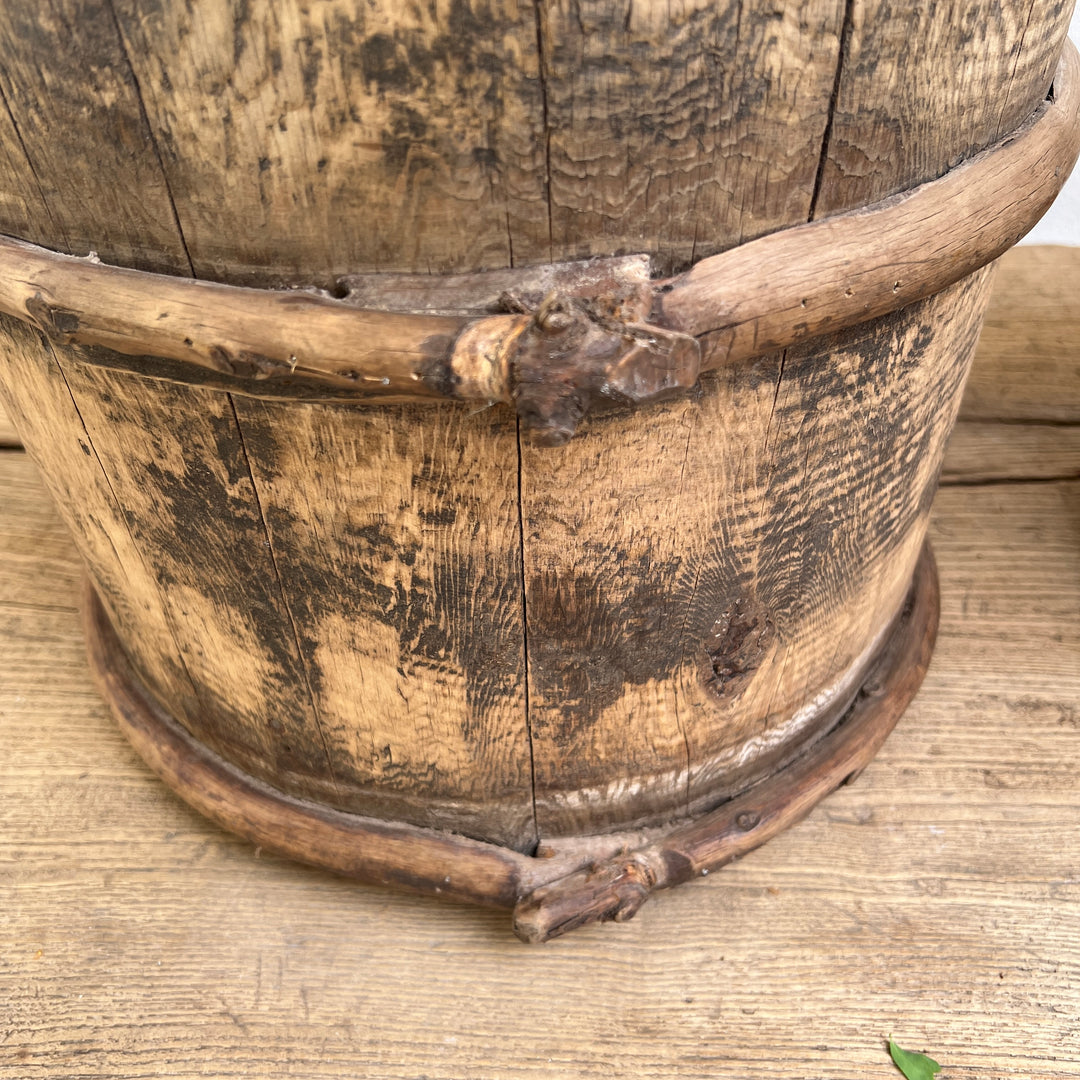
column 582, row 879
column 554, row 341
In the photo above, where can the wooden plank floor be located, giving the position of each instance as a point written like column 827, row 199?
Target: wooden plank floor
column 936, row 899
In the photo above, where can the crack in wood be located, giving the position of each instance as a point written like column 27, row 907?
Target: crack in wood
column 540, row 61
column 301, row 659
column 166, row 607
column 826, row 139
column 150, row 135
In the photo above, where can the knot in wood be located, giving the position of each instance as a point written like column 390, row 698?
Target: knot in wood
column 579, row 355
column 611, row 891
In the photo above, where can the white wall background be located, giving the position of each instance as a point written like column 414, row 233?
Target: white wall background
column 1061, row 224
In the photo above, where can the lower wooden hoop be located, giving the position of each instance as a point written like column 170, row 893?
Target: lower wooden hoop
column 581, row 879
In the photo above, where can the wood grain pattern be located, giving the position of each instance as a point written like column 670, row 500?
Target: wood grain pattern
column 777, row 518
column 1034, row 356
column 918, row 94
column 490, row 86
column 9, row 437
column 798, row 291
column 396, row 536
column 1034, row 375
column 766, row 295
column 984, row 450
column 86, row 154
column 293, row 143
column 682, row 129
column 176, row 461
column 344, row 137
column 928, row 900
column 42, row 402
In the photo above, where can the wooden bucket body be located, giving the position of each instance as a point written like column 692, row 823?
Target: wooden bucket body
column 407, row 612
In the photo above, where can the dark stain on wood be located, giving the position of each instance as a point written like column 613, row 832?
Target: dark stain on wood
column 739, row 641
column 56, row 323
column 592, row 633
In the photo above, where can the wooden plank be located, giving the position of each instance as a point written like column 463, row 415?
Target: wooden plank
column 682, row 613
column 1027, row 365
column 990, row 450
column 36, row 543
column 175, row 459
column 396, row 537
column 9, row 437
column 88, row 153
column 683, row 129
column 927, row 900
column 37, row 393
column 393, row 137
column 1020, row 417
column 917, row 95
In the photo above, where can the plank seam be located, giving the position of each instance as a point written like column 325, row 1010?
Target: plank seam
column 1016, row 64
column 152, row 138
column 302, row 660
column 1000, row 481
column 525, row 630
column 166, row 607
column 826, row 139
column 33, row 171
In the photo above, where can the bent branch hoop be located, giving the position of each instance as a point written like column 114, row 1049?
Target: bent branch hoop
column 570, row 334
column 569, row 884
column 557, row 343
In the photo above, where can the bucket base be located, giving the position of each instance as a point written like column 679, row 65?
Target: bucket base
column 568, row 883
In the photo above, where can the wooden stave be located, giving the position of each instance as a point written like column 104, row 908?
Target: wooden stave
column 135, row 258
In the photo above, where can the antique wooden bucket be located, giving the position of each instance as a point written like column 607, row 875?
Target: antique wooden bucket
column 501, row 437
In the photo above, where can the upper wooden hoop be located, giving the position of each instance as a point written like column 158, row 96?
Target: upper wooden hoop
column 626, row 336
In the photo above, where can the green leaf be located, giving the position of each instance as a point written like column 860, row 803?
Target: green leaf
column 913, row 1066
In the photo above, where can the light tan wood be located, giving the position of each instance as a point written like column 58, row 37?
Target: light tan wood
column 202, row 500
column 941, row 76
column 41, row 400
column 982, row 450
column 177, row 463
column 754, row 498
column 1020, row 417
column 9, row 437
column 796, row 296
column 950, row 863
column 419, row 129
column 782, row 289
column 289, row 140
column 1035, row 373
column 408, row 613
column 1026, row 374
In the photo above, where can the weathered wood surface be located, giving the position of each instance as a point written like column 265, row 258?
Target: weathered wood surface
column 1013, row 417
column 81, row 166
column 288, row 140
column 763, row 296
column 1042, row 384
column 342, row 589
column 408, row 613
column 1021, row 407
column 1020, row 416
column 928, row 900
column 776, row 538
column 899, row 101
